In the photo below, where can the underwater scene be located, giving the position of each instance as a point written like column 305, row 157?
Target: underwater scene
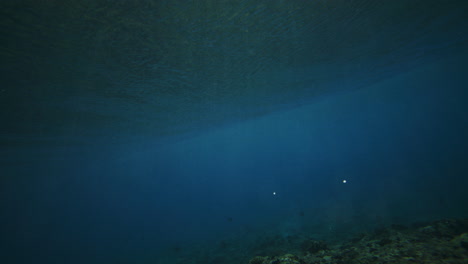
column 233, row 131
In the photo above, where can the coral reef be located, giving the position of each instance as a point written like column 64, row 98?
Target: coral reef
column 312, row 246
column 285, row 259
column 444, row 241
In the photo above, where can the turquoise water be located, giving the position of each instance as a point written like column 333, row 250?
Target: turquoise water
column 145, row 131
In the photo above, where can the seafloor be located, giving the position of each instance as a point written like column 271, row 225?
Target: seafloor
column 442, row 241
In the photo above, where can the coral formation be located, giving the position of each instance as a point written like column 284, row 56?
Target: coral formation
column 444, row 241
column 312, row 246
column 285, row 259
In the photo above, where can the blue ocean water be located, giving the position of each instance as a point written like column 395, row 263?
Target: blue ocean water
column 188, row 132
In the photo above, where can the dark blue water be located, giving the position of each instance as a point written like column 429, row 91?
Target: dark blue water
column 151, row 131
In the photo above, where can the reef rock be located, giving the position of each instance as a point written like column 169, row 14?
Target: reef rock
column 285, row 259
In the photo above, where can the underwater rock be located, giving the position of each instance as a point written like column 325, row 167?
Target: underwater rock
column 444, row 241
column 285, row 259
column 313, row 246
column 259, row 260
column 462, row 241
column 288, row 259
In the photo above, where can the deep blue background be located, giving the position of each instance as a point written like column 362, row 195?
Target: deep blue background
column 400, row 144
column 133, row 129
